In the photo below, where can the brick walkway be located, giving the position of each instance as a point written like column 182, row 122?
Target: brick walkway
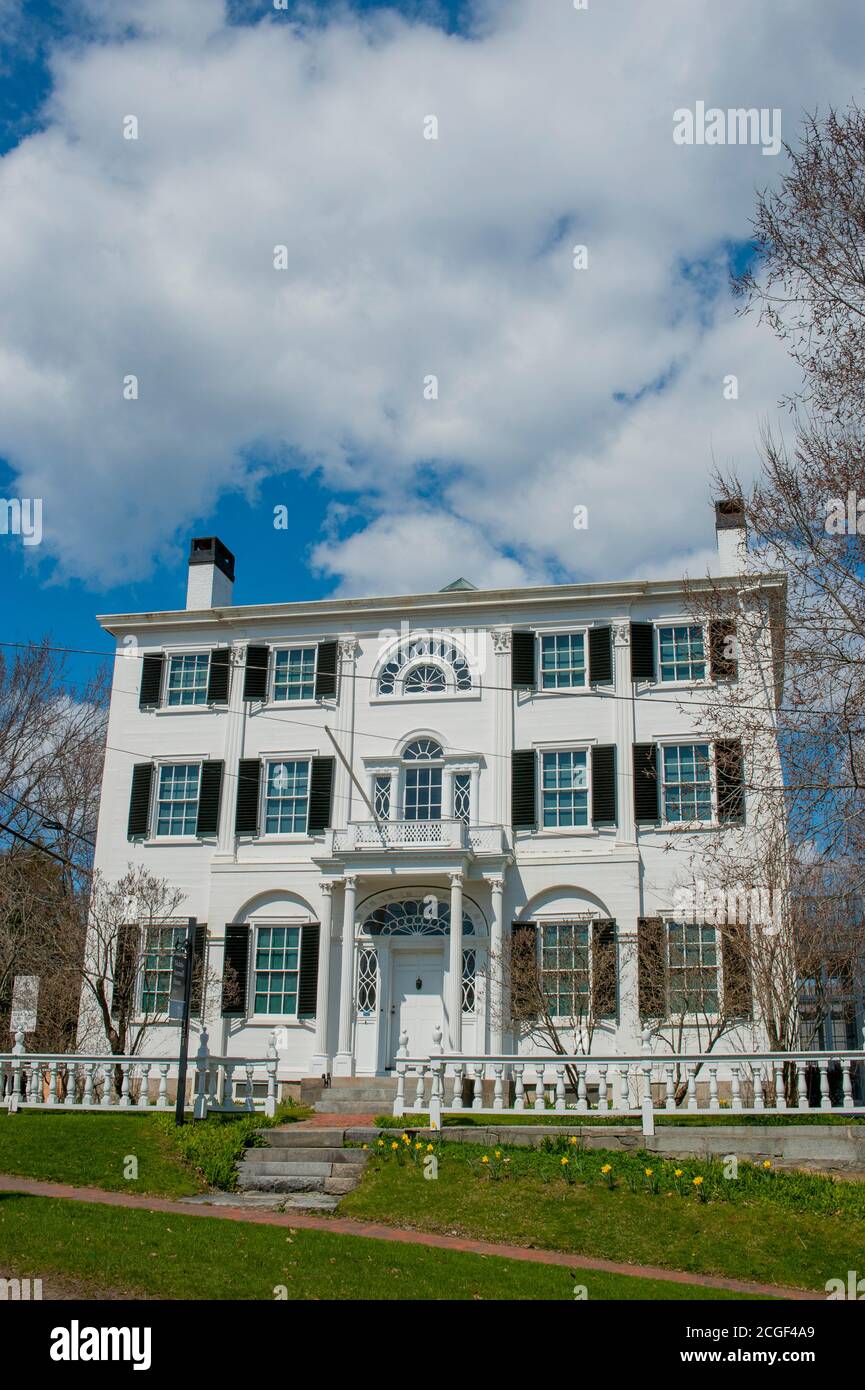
column 371, row 1230
column 324, row 1121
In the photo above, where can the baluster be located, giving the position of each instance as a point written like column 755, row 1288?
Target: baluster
column 421, row 1087
column 228, row 1083
column 560, row 1088
column 519, row 1087
column 89, row 1068
column 52, row 1082
column 271, row 1067
column 801, row 1087
column 144, row 1086
column 162, row 1099
column 736, row 1087
column 21, row 1081
column 498, row 1088
column 780, row 1088
column 540, row 1098
column 759, row 1102
column 478, row 1098
column 713, row 1089
column 669, row 1087
column 582, row 1093
column 125, row 1068
column 457, row 1096
column 691, row 1073
column 106, row 1073
column 625, row 1087
column 399, row 1102
column 825, row 1098
column 249, row 1101
column 847, row 1084
column 603, row 1098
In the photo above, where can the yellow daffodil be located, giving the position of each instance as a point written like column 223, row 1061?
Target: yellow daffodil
column 607, row 1168
column 405, row 1139
column 697, row 1182
column 381, row 1143
column 678, row 1172
column 394, row 1145
column 573, row 1139
column 565, row 1162
column 366, row 1146
column 429, row 1148
column 498, row 1153
column 767, row 1163
column 484, row 1159
column 648, row 1172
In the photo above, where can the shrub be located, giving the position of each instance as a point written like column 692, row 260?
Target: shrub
column 213, row 1146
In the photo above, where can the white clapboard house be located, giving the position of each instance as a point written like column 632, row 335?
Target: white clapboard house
column 362, row 799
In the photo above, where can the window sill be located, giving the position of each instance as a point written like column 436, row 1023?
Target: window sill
column 161, row 840
column 425, row 697
column 188, row 709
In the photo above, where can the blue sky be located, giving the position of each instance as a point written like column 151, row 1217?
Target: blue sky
column 407, row 258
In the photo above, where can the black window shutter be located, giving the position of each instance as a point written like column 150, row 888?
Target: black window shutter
column 604, row 784
column 307, row 984
column 217, row 676
column 209, row 796
column 736, row 971
column 728, row 771
column 523, row 660
column 525, row 977
column 199, row 943
column 600, row 655
column 255, row 674
column 325, row 671
column 125, row 962
column 235, row 969
column 645, row 782
column 652, row 967
column 246, row 809
column 151, row 682
column 523, row 811
column 139, row 801
column 605, row 993
column 320, row 795
column 642, row 652
column 723, row 665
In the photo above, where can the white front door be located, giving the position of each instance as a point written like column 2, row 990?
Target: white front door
column 418, row 984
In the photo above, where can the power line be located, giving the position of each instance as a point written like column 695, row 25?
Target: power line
column 66, row 828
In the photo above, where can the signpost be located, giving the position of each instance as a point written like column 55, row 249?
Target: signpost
column 179, row 999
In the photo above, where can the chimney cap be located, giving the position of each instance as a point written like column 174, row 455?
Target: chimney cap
column 209, row 550
column 730, row 514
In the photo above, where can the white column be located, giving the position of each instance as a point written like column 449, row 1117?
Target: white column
column 232, row 750
column 342, row 1063
column 625, row 733
column 503, row 706
column 321, row 1056
column 455, row 972
column 496, row 964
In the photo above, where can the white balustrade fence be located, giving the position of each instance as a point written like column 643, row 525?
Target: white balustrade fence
column 647, row 1084
column 108, row 1082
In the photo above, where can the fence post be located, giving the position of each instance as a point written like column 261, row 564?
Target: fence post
column 272, row 1058
column 399, row 1098
column 435, row 1100
column 15, row 1080
column 646, row 1104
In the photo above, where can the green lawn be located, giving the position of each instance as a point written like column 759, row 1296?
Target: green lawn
column 786, row 1229
column 187, row 1257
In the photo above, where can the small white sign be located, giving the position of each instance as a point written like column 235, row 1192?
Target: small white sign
column 25, row 995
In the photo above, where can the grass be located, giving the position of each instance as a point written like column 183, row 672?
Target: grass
column 92, row 1149
column 570, row 1119
column 183, row 1257
column 780, row 1228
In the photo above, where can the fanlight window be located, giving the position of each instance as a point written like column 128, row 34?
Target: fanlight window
column 438, row 657
column 429, row 916
column 423, row 750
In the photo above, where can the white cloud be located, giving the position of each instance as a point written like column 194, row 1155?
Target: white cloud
column 406, row 257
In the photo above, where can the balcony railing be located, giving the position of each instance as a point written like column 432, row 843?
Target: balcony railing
column 417, row 834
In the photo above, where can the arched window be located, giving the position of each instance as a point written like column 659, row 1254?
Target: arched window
column 423, row 780
column 425, row 665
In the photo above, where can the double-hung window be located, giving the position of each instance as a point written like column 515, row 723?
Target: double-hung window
column 423, row 780
column 565, row 967
column 565, row 787
column 177, row 798
column 186, row 683
column 563, row 661
column 277, row 968
column 160, row 944
column 681, row 653
column 294, row 673
column 693, row 969
column 286, row 797
column 687, row 782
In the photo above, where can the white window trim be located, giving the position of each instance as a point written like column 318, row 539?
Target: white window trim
column 658, row 623
column 158, row 763
column 281, row 1020
column 577, row 629
column 584, row 746
column 399, row 695
column 308, row 702
column 586, row 919
column 138, row 986
column 694, row 1020
column 206, row 707
column 287, row 837
column 686, row 741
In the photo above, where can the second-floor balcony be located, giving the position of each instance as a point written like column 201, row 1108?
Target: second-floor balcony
column 449, row 834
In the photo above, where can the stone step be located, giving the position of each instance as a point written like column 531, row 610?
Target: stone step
column 296, row 1138
column 258, row 1183
column 279, row 1169
column 354, row 1105
column 303, row 1154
